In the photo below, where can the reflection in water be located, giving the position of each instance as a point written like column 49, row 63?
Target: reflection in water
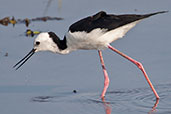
column 59, row 5
column 47, row 7
column 131, row 100
column 154, row 107
column 134, row 101
column 107, row 106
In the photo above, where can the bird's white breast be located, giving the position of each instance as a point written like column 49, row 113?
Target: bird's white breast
column 84, row 40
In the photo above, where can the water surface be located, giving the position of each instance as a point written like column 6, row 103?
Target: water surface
column 45, row 84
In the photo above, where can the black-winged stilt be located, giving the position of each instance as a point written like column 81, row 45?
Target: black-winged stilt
column 93, row 32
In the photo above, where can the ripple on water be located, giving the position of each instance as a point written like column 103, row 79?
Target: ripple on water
column 141, row 99
column 123, row 100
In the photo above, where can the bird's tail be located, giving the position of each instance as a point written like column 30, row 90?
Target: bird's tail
column 151, row 14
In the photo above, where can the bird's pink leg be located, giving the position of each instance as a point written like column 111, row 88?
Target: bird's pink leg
column 139, row 65
column 106, row 78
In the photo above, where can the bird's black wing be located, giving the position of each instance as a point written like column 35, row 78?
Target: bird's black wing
column 106, row 21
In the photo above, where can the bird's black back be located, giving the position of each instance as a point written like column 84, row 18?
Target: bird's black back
column 106, row 21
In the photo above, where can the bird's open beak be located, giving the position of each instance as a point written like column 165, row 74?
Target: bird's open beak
column 22, row 61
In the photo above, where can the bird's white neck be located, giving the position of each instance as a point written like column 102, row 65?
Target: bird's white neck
column 62, row 47
column 49, row 41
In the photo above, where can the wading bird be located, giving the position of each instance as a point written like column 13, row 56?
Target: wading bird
column 93, row 32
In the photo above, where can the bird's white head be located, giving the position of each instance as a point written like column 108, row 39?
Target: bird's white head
column 47, row 41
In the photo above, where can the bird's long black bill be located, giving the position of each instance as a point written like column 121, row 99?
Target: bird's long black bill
column 22, row 61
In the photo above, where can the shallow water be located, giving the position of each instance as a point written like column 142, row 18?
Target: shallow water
column 21, row 99
column 46, row 82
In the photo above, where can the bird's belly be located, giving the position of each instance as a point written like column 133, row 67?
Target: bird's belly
column 88, row 44
column 87, row 41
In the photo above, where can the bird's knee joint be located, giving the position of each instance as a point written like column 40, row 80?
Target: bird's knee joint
column 139, row 65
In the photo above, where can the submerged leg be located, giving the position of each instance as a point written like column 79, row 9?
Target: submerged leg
column 139, row 65
column 106, row 78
